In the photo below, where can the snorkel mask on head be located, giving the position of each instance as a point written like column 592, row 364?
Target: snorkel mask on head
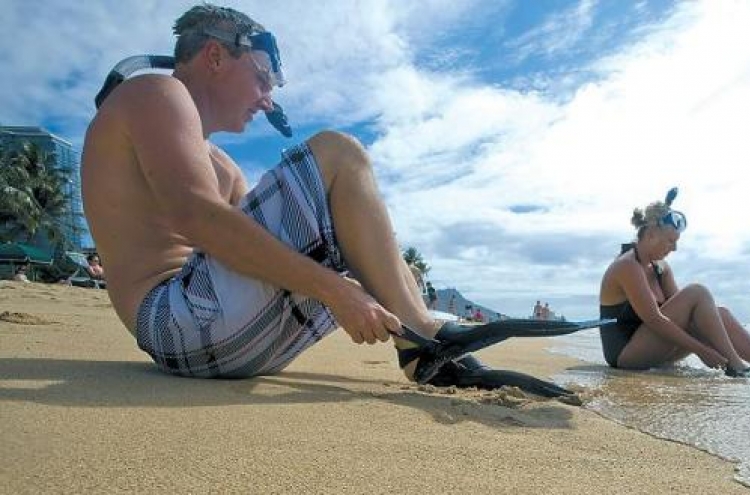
column 265, row 55
column 673, row 218
column 263, row 49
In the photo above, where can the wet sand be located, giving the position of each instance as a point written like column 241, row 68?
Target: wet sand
column 84, row 411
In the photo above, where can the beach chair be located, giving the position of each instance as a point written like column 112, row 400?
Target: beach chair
column 82, row 278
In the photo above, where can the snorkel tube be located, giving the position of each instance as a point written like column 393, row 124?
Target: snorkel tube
column 127, row 67
column 673, row 218
column 671, row 195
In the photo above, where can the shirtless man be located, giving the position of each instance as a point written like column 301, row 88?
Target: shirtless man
column 214, row 279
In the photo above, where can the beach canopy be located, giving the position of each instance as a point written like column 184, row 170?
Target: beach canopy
column 16, row 252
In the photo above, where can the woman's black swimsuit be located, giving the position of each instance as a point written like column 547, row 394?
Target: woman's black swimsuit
column 615, row 336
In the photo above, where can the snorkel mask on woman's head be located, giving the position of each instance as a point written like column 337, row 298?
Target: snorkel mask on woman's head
column 673, row 218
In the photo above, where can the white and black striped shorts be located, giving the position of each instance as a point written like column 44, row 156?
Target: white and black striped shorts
column 209, row 321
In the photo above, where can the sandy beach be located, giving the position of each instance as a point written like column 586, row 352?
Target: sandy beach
column 84, row 411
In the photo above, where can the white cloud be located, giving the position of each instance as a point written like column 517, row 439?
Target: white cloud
column 560, row 32
column 456, row 155
column 670, row 110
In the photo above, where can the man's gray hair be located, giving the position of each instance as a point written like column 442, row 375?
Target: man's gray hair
column 190, row 29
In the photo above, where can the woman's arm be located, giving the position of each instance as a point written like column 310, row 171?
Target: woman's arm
column 632, row 279
column 668, row 285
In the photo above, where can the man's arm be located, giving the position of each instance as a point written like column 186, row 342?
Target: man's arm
column 165, row 129
column 239, row 187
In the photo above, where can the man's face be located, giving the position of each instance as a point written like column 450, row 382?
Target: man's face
column 246, row 83
column 243, row 91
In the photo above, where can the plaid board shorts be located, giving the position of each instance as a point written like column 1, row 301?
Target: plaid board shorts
column 209, row 321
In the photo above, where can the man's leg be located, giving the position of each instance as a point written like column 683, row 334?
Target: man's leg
column 364, row 230
column 366, row 240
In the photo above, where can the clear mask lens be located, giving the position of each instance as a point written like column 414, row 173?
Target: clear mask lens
column 266, row 54
column 265, row 68
column 676, row 220
column 263, row 50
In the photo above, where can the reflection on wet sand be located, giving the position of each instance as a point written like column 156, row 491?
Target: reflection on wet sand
column 685, row 403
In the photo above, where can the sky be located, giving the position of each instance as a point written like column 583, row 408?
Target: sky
column 511, row 139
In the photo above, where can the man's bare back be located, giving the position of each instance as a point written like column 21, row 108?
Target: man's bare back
column 135, row 237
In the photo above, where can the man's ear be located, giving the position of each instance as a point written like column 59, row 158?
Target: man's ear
column 213, row 54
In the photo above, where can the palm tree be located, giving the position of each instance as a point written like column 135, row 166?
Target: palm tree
column 35, row 198
column 16, row 203
column 414, row 257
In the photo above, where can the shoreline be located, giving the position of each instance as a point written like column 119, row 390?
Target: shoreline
column 83, row 410
column 615, row 404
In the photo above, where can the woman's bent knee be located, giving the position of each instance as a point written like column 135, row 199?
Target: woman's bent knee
column 697, row 290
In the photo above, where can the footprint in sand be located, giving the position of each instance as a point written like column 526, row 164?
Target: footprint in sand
column 22, row 318
column 374, row 363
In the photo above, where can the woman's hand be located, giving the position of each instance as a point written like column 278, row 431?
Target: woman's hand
column 712, row 358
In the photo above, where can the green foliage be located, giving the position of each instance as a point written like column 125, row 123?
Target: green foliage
column 414, row 257
column 35, row 197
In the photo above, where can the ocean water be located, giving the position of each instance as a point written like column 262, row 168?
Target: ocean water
column 688, row 403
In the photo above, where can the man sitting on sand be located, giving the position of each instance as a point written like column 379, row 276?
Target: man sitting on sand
column 215, row 279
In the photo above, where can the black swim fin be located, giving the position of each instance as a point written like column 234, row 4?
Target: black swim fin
column 468, row 371
column 733, row 373
column 453, row 341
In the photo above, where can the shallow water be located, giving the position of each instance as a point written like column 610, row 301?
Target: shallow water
column 687, row 403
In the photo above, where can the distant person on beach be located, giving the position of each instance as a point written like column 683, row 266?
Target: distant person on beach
column 452, row 304
column 546, row 312
column 21, row 274
column 478, row 316
column 657, row 322
column 214, row 278
column 95, row 269
column 537, row 312
column 468, row 312
column 431, row 296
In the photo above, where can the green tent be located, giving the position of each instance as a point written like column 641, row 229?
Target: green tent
column 17, row 253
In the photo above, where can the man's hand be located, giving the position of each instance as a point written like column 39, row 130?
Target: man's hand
column 361, row 316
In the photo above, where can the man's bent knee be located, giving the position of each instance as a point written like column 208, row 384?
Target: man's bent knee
column 334, row 150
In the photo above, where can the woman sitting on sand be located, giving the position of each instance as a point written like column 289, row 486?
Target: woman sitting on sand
column 658, row 323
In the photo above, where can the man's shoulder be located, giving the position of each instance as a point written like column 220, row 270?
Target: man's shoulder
column 143, row 95
column 150, row 82
column 219, row 153
column 130, row 101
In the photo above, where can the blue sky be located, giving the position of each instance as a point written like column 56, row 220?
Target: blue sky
column 512, row 139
